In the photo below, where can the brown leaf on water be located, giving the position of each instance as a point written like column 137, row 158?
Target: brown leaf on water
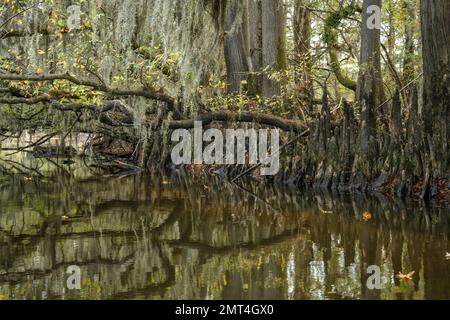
column 407, row 276
column 366, row 216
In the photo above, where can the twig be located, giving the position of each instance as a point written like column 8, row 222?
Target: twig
column 38, row 142
column 401, row 90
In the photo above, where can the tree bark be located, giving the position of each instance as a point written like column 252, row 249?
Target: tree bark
column 302, row 43
column 370, row 85
column 234, row 46
column 255, row 44
column 436, row 89
column 408, row 60
column 273, row 23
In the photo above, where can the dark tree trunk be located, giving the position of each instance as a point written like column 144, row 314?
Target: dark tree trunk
column 302, row 43
column 273, row 23
column 370, row 86
column 255, row 45
column 347, row 140
column 436, row 65
column 234, row 46
column 408, row 60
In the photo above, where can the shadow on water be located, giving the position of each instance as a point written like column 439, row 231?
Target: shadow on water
column 172, row 237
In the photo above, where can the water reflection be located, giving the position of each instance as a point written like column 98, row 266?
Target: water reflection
column 160, row 237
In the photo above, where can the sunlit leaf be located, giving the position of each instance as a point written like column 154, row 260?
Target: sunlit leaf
column 366, row 216
column 407, row 276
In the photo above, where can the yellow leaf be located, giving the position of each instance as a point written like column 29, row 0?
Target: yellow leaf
column 41, row 52
column 407, row 276
column 366, row 216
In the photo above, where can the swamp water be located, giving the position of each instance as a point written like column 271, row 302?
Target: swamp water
column 173, row 237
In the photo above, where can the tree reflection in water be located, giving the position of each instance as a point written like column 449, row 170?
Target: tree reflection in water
column 171, row 237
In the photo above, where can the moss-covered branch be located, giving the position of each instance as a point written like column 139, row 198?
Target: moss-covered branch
column 330, row 38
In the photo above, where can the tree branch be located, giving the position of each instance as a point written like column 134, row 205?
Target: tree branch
column 274, row 121
column 332, row 21
column 146, row 92
column 29, row 101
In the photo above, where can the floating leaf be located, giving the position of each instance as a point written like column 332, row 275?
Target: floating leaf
column 407, row 276
column 366, row 216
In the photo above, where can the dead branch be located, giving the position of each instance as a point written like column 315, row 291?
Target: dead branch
column 145, row 92
column 274, row 121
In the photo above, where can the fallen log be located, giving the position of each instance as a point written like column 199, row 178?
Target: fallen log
column 225, row 116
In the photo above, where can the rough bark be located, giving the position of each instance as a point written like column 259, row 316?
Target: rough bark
column 396, row 121
column 273, row 43
column 302, row 43
column 234, row 46
column 255, row 45
column 347, row 139
column 436, row 64
column 408, row 60
column 369, row 91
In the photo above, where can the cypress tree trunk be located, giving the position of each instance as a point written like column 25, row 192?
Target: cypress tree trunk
column 255, row 45
column 234, row 46
column 370, row 86
column 408, row 60
column 273, row 23
column 302, row 43
column 435, row 23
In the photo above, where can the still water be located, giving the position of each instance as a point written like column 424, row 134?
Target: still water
column 174, row 237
